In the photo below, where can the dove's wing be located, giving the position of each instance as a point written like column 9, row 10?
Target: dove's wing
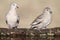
column 38, row 20
column 18, row 20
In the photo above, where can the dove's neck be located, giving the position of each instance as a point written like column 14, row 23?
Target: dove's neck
column 12, row 11
column 13, row 8
column 47, row 13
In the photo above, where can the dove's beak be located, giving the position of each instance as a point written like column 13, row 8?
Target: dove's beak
column 17, row 7
column 51, row 12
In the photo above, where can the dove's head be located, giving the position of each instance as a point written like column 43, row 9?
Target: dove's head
column 14, row 6
column 47, row 9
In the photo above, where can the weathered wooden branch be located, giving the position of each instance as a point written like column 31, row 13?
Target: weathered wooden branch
column 29, row 32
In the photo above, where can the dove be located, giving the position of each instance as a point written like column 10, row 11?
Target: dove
column 12, row 19
column 43, row 20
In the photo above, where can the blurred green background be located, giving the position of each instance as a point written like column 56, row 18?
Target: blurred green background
column 29, row 10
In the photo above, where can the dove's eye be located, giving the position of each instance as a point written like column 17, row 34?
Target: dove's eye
column 13, row 4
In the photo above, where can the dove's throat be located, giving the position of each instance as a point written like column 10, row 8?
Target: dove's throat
column 12, row 11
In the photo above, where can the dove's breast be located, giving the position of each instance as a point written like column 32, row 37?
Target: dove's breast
column 47, row 19
column 12, row 19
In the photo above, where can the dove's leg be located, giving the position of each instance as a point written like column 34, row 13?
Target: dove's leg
column 45, row 31
column 15, row 28
column 45, row 27
column 9, row 30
